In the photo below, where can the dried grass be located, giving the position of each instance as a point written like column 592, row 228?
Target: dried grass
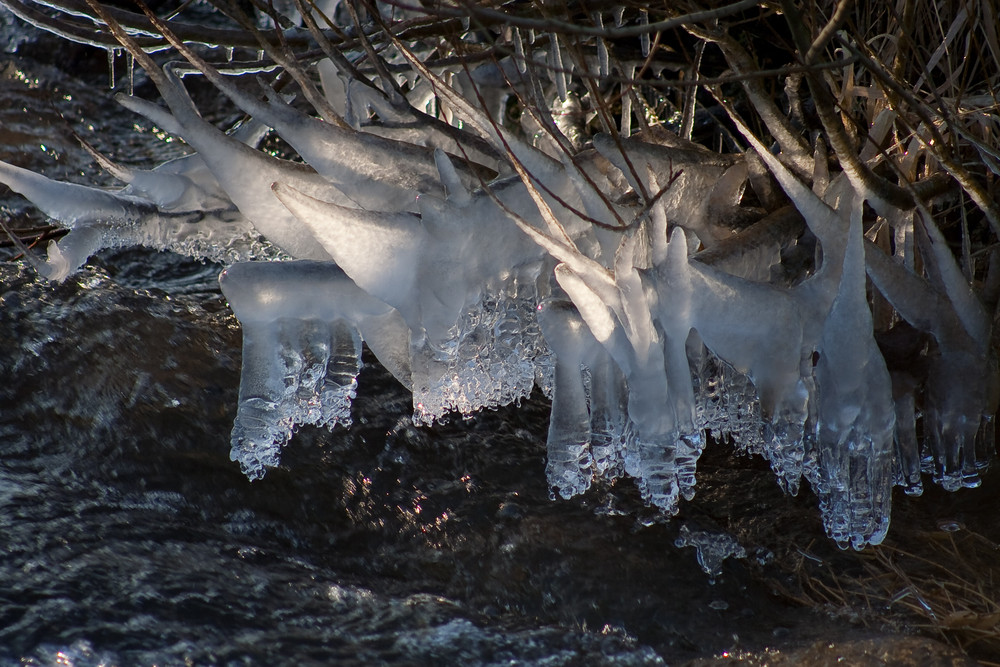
column 942, row 584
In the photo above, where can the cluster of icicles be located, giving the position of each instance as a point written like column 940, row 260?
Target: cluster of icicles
column 471, row 292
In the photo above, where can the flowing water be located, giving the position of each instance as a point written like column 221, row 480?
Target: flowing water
column 128, row 537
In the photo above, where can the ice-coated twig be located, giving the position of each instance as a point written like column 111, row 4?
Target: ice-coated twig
column 392, row 171
column 160, row 210
column 693, row 175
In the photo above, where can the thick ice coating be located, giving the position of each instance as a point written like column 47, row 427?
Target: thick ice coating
column 177, row 207
column 855, row 416
column 665, row 296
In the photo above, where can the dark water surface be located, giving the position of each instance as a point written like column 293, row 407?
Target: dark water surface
column 128, row 537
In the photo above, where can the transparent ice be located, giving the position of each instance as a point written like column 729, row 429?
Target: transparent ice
column 712, row 548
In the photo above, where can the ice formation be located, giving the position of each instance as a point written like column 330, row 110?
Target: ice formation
column 477, row 263
column 178, row 206
column 302, row 355
column 712, row 549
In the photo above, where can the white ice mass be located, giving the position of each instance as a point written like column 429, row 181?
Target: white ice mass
column 615, row 272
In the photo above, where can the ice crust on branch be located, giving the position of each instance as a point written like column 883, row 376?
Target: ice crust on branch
column 618, row 276
column 178, row 206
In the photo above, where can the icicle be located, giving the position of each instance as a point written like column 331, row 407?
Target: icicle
column 621, row 321
column 644, row 37
column 717, row 306
column 301, row 353
column 610, row 430
column 453, row 186
column 569, row 119
column 569, row 454
column 688, row 449
column 986, row 438
column 626, row 89
column 653, row 464
column 956, row 394
column 958, row 391
column 602, row 46
column 949, row 277
column 558, row 69
column 728, row 406
column 906, row 462
column 903, row 241
column 131, row 73
column 856, row 416
column 522, row 64
column 112, row 53
column 335, row 87
column 295, row 371
column 485, row 360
